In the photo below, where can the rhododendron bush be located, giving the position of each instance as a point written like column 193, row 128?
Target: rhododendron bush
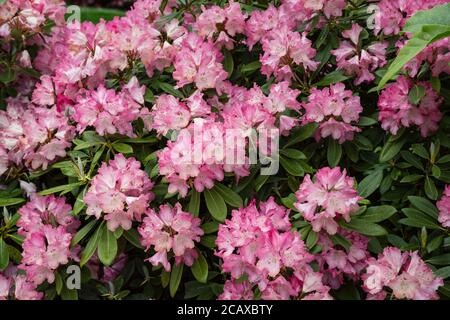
column 293, row 149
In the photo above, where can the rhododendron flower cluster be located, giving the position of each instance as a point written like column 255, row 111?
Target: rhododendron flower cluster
column 258, row 244
column 335, row 109
column 397, row 111
column 282, row 50
column 404, row 273
column 331, row 195
column 119, row 193
column 337, row 263
column 199, row 62
column 171, row 230
column 16, row 286
column 444, row 208
column 48, row 227
column 32, row 136
column 359, row 61
column 108, row 111
column 222, row 24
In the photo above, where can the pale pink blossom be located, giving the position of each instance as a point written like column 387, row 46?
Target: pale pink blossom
column 330, row 196
column 170, row 230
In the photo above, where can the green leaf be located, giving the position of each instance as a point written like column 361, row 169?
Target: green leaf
column 7, row 76
column 418, row 222
column 229, row 195
column 11, row 201
column 312, row 239
column 4, row 255
column 210, row 227
column 58, row 283
column 83, row 232
column 91, row 246
column 331, row 78
column 412, row 159
column 95, row 14
column 424, row 205
column 334, row 153
column 341, row 241
column 392, row 147
column 250, row 67
column 69, row 294
column 14, row 254
column 411, row 178
column 292, row 166
column 107, row 246
column 132, row 237
column 416, row 94
column 442, row 260
column 378, row 214
column 123, row 147
column 64, row 188
column 149, row 97
column 175, row 278
column 293, row 154
column 366, row 121
column 430, row 189
column 194, row 203
column 79, row 203
column 369, row 184
column 439, row 15
column 443, row 273
column 364, row 227
column 418, row 215
column 215, row 204
column 87, row 144
column 200, row 269
column 228, row 63
column 302, row 133
column 168, row 88
column 435, row 244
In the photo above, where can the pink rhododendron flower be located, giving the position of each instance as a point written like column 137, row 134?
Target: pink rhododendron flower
column 198, row 62
column 406, row 274
column 283, row 49
column 32, row 136
column 168, row 113
column 357, row 61
column 330, row 196
column 16, row 286
column 397, row 111
column 444, row 208
column 335, row 109
column 258, row 244
column 170, row 230
column 48, row 228
column 337, row 262
column 120, row 192
column 224, row 23
column 108, row 111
